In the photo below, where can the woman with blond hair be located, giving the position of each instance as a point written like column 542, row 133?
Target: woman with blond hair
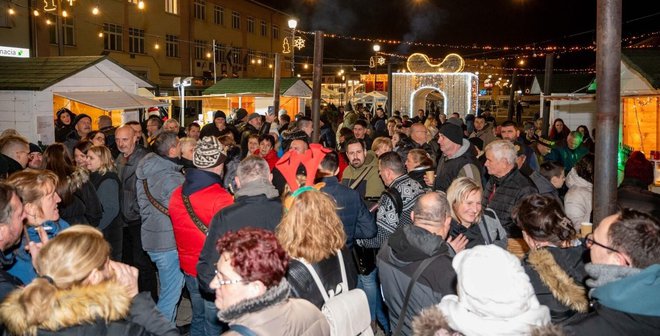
column 80, row 291
column 480, row 226
column 311, row 232
column 37, row 190
column 418, row 162
column 106, row 182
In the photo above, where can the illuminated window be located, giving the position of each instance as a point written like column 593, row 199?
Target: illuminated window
column 172, row 6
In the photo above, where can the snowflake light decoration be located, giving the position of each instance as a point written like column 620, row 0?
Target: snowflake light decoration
column 380, row 60
column 299, row 43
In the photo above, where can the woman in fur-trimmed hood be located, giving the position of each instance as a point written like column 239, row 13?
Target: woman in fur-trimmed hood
column 79, row 291
column 554, row 265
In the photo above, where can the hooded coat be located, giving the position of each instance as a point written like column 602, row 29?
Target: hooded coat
column 558, row 276
column 103, row 309
column 398, row 260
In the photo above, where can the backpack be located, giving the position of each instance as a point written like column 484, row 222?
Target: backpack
column 347, row 312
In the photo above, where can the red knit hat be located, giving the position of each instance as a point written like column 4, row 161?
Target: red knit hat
column 639, row 167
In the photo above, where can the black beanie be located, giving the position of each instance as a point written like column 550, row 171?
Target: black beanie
column 78, row 118
column 219, row 114
column 452, row 132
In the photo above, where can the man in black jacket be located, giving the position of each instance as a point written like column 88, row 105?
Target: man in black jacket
column 256, row 204
column 505, row 188
column 404, row 252
column 625, row 277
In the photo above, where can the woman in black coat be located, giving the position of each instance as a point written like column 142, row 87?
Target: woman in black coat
column 555, row 263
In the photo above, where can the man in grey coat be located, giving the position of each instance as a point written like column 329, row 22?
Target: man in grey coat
column 158, row 174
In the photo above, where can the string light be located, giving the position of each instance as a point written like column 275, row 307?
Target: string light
column 11, row 11
column 100, row 34
column 141, row 4
column 156, row 46
column 95, row 10
column 35, row 12
column 64, row 13
column 49, row 22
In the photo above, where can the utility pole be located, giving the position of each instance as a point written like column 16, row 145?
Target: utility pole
column 276, row 83
column 511, row 94
column 316, row 84
column 547, row 85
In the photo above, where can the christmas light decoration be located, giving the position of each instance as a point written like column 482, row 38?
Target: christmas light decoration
column 286, row 46
column 299, row 43
column 421, row 63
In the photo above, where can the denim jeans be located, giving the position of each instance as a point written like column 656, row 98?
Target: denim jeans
column 171, row 282
column 204, row 317
column 371, row 286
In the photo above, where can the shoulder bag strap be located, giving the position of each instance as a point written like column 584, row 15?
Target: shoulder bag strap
column 413, row 280
column 193, row 216
column 316, row 278
column 243, row 330
column 153, row 201
column 344, row 279
column 360, row 177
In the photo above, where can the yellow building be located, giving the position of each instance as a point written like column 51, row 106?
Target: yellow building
column 157, row 39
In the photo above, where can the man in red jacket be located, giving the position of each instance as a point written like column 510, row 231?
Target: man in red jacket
column 191, row 208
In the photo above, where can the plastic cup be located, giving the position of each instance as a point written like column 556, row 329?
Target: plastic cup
column 586, row 228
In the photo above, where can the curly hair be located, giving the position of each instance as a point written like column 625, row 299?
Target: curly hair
column 543, row 219
column 255, row 255
column 311, row 229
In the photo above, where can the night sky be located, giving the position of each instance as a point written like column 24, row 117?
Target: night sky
column 464, row 22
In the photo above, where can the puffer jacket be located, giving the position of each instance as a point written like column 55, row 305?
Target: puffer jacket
column 274, row 313
column 578, row 199
column 558, row 277
column 162, row 177
column 329, row 271
column 103, row 309
column 129, row 208
column 207, row 197
column 502, row 194
column 398, row 260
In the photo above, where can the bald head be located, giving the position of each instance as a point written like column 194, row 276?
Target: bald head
column 431, row 212
column 418, row 133
column 126, row 139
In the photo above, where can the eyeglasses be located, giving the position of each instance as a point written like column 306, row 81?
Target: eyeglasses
column 589, row 242
column 226, row 282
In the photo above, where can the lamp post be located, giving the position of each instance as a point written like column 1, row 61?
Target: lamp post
column 181, row 86
column 376, row 49
column 293, row 23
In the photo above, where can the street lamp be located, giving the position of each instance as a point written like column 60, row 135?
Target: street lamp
column 181, row 86
column 376, row 49
column 293, row 23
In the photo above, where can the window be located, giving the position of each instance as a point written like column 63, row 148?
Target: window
column 112, row 35
column 200, row 48
column 200, row 9
column 219, row 15
column 172, row 46
column 250, row 25
column 264, row 28
column 237, row 65
column 136, row 40
column 276, row 32
column 236, row 20
column 68, row 28
column 172, row 6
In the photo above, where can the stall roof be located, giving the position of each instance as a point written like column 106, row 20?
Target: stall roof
column 646, row 62
column 291, row 87
column 111, row 100
column 36, row 74
column 563, row 83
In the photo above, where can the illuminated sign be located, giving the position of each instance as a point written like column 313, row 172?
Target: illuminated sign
column 14, row 52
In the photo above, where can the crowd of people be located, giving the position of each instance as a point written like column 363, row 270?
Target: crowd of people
column 401, row 225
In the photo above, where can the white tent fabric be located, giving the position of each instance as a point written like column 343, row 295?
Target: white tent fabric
column 111, row 100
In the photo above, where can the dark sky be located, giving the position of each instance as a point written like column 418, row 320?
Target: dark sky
column 465, row 22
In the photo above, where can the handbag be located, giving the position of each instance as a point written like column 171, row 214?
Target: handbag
column 347, row 312
column 365, row 259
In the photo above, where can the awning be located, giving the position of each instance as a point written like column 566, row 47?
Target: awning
column 111, row 100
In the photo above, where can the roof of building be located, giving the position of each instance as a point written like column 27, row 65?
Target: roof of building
column 646, row 62
column 36, row 74
column 258, row 87
column 567, row 83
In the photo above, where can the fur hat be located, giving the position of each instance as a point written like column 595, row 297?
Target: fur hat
column 209, row 153
column 452, row 132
